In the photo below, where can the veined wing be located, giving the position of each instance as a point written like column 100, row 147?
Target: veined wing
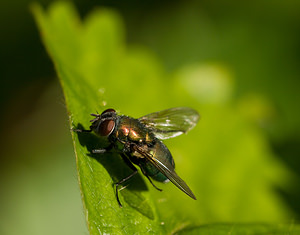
column 167, row 169
column 172, row 122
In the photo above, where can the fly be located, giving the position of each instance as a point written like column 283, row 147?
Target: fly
column 139, row 142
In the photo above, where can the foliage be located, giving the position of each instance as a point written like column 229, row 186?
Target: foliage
column 226, row 159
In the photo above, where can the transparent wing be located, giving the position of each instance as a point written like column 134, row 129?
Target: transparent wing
column 168, row 170
column 172, row 122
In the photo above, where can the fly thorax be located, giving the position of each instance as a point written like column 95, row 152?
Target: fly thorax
column 130, row 129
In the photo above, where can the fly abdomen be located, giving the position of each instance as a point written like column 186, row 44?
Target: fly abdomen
column 160, row 152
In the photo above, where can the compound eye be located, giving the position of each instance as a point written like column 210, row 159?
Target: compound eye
column 106, row 127
column 109, row 111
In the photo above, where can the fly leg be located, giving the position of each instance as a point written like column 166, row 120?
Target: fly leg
column 121, row 182
column 81, row 130
column 125, row 179
column 101, row 151
column 144, row 172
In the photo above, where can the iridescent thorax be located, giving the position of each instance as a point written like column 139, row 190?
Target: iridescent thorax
column 128, row 128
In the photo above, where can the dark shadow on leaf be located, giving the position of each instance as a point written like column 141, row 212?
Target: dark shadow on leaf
column 118, row 170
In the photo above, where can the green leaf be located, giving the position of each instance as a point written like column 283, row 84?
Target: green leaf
column 241, row 229
column 226, row 159
column 87, row 58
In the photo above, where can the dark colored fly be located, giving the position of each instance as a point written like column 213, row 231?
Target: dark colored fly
column 139, row 141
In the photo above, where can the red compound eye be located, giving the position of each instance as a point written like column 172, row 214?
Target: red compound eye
column 106, row 127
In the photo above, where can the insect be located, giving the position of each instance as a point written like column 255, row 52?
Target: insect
column 139, row 142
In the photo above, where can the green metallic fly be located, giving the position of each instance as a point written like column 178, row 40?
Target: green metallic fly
column 139, row 141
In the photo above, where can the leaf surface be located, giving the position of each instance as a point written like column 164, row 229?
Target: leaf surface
column 225, row 160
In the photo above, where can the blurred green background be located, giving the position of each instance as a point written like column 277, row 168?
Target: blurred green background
column 247, row 55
